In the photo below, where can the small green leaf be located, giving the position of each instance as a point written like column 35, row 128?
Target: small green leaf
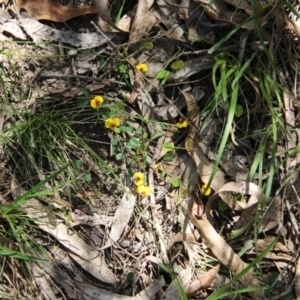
column 128, row 146
column 78, row 164
column 131, row 277
column 177, row 65
column 148, row 159
column 122, row 68
column 176, row 182
column 102, row 62
column 141, row 149
column 113, row 109
column 81, row 102
column 157, row 135
column 139, row 131
column 88, row 177
column 114, row 145
column 127, row 128
column 168, row 147
column 163, row 74
column 163, row 82
column 86, row 92
column 120, row 105
column 168, row 156
column 148, row 46
column 134, row 142
column 117, row 130
column 101, row 163
column 222, row 206
column 239, row 110
column 120, row 156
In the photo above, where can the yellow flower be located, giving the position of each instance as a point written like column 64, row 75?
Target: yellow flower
column 96, row 101
column 112, row 123
column 142, row 68
column 182, row 123
column 138, row 178
column 206, row 190
column 143, row 190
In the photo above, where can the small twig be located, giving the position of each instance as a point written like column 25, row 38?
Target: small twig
column 293, row 219
column 38, row 72
column 152, row 197
column 102, row 33
column 79, row 77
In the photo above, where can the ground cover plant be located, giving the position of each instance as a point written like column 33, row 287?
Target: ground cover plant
column 149, row 149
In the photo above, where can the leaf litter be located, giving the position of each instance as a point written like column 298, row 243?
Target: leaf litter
column 141, row 235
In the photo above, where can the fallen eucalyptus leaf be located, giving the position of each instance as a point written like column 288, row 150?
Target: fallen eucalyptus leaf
column 39, row 32
column 14, row 30
column 51, row 11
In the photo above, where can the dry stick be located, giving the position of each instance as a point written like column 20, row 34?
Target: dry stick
column 79, row 77
column 293, row 219
column 102, row 33
column 152, row 199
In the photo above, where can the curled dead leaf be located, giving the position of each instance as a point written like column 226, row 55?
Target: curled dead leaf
column 51, row 11
column 204, row 281
column 224, row 253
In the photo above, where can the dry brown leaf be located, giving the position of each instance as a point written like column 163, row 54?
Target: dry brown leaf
column 224, row 253
column 14, row 30
column 241, row 187
column 103, row 11
column 218, row 11
column 193, row 147
column 189, row 176
column 52, row 11
column 83, row 254
column 204, row 281
column 41, row 280
column 121, row 218
column 194, row 17
column 40, row 32
column 263, row 244
column 198, row 208
column 4, row 16
column 192, row 67
column 142, row 23
column 274, row 215
column 138, row 29
column 184, row 276
column 246, row 5
column 297, row 278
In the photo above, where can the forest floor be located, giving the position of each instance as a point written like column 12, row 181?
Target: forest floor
column 153, row 159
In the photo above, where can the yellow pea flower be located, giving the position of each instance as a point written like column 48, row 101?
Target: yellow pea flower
column 96, row 102
column 112, row 123
column 143, row 190
column 206, row 190
column 138, row 178
column 142, row 68
column 182, row 123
